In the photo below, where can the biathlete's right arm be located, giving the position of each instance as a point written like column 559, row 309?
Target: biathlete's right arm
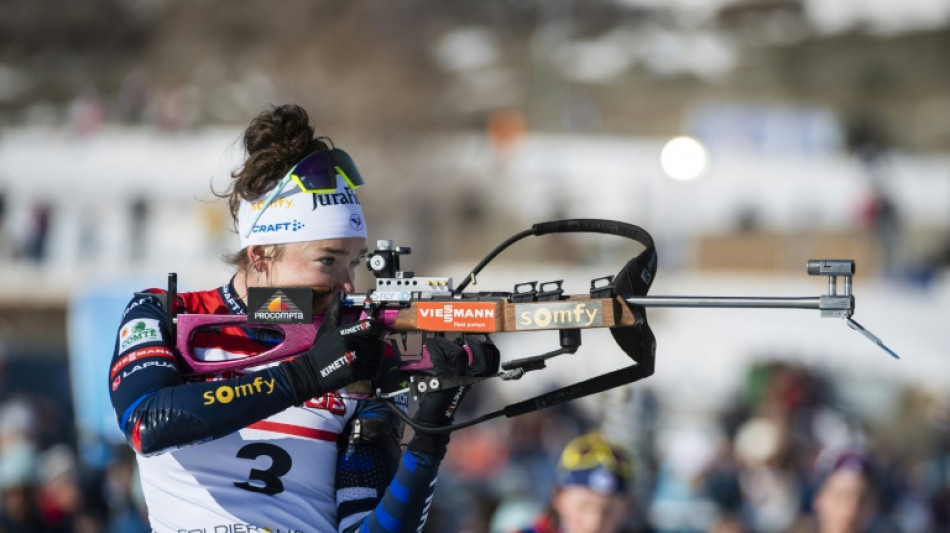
column 158, row 411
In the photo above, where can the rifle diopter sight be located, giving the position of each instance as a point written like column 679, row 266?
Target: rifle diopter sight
column 394, row 285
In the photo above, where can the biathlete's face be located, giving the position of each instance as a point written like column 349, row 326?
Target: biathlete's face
column 582, row 510
column 326, row 263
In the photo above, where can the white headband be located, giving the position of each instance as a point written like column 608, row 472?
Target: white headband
column 297, row 216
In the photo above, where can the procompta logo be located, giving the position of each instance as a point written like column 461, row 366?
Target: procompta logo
column 286, row 305
column 280, row 307
column 278, row 304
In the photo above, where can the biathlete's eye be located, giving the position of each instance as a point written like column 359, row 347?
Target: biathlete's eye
column 327, row 261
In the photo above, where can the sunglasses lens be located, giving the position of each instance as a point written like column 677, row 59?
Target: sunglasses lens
column 317, row 172
column 346, row 164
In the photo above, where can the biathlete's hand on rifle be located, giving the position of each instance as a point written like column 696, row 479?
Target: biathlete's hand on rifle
column 339, row 355
column 449, row 359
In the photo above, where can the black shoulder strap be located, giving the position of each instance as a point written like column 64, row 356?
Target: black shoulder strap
column 638, row 342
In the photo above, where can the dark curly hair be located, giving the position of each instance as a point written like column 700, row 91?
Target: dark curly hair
column 275, row 141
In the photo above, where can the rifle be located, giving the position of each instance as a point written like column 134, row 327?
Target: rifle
column 408, row 304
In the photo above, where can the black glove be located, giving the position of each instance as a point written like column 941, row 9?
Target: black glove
column 339, row 356
column 449, row 359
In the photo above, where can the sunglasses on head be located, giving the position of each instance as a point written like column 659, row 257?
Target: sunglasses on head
column 316, row 174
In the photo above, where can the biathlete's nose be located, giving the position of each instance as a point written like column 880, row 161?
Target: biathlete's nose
column 347, row 285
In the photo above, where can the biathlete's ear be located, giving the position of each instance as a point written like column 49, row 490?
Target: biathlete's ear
column 257, row 256
column 254, row 253
column 485, row 356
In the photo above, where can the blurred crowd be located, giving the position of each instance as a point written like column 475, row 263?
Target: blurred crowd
column 46, row 488
column 137, row 101
column 756, row 465
column 765, row 463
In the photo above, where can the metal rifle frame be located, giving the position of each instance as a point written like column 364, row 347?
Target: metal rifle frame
column 833, row 304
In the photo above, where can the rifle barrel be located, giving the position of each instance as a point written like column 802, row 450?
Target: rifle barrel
column 725, row 301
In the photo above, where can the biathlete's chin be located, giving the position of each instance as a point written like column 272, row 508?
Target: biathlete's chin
column 322, row 297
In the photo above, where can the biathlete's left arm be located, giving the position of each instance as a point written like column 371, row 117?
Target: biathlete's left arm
column 380, row 490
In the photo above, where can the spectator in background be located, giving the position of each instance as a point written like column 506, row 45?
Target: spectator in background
column 4, row 246
column 591, row 494
column 34, row 248
column 173, row 108
column 880, row 213
column 134, row 95
column 60, row 496
column 122, row 491
column 138, row 228
column 767, row 476
column 18, row 423
column 720, row 482
column 86, row 112
column 19, row 508
column 845, row 498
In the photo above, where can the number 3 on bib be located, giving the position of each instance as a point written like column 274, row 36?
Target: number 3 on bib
column 265, row 481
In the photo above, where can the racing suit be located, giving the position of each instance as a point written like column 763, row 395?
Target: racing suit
column 231, row 453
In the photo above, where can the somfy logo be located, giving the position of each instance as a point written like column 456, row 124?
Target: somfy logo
column 559, row 315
